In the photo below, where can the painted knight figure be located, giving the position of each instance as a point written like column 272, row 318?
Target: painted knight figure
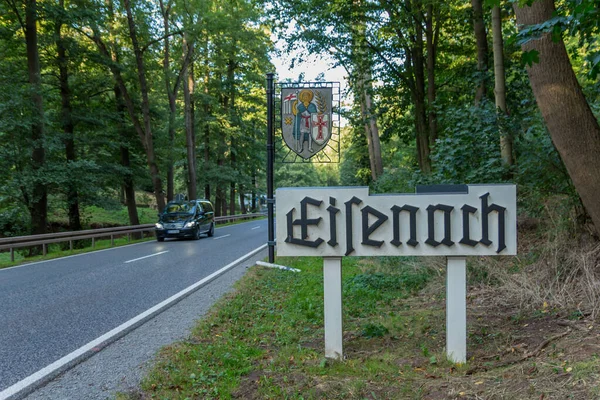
column 306, row 119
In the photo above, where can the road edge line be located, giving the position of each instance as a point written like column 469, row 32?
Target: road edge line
column 40, row 378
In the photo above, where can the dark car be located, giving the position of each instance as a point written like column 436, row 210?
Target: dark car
column 186, row 219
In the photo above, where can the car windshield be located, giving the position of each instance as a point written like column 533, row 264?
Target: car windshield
column 180, row 208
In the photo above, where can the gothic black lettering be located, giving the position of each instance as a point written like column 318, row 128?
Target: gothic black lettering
column 412, row 221
column 368, row 230
column 467, row 210
column 431, row 225
column 349, row 203
column 332, row 222
column 304, row 222
column 485, row 211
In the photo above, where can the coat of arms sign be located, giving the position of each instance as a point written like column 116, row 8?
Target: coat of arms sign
column 306, row 119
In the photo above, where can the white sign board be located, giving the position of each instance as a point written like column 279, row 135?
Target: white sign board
column 347, row 221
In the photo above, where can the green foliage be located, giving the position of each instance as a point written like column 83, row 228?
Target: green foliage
column 469, row 150
column 13, row 221
column 296, row 175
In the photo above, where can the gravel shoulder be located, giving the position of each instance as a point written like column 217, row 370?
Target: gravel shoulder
column 120, row 366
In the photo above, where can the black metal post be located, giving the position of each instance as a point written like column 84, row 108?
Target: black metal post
column 270, row 162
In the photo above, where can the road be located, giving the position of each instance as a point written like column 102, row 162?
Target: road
column 51, row 309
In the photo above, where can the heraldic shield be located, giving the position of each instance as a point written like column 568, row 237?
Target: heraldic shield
column 306, row 119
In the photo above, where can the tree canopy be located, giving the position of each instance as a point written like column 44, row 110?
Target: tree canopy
column 101, row 100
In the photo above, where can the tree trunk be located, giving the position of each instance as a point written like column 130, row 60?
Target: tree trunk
column 363, row 90
column 38, row 203
column 149, row 145
column 421, row 127
column 171, row 94
column 67, row 124
column 500, row 86
column 128, row 184
column 206, row 131
column 371, row 128
column 432, row 35
column 230, row 109
column 190, row 135
column 569, row 119
column 482, row 49
column 254, row 192
column 243, row 209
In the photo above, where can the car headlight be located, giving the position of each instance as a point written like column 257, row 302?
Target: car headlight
column 190, row 224
column 158, row 225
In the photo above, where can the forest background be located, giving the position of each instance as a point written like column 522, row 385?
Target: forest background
column 101, row 100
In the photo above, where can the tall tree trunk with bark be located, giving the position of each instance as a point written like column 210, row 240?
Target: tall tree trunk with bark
column 38, row 202
column 128, row 184
column 243, row 209
column 172, row 96
column 147, row 123
column 482, row 50
column 421, row 125
column 363, row 90
column 67, row 122
column 506, row 148
column 206, row 131
column 432, row 34
column 230, row 109
column 569, row 119
column 190, row 134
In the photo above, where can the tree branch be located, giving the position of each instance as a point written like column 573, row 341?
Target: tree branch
column 150, row 43
column 13, row 6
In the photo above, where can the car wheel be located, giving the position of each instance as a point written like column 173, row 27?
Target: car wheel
column 197, row 235
column 211, row 231
column 160, row 239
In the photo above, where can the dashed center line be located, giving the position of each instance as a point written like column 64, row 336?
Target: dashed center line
column 256, row 227
column 221, row 237
column 151, row 255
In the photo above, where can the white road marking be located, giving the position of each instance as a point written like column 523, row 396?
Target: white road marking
column 83, row 352
column 256, row 227
column 151, row 255
column 221, row 237
column 71, row 256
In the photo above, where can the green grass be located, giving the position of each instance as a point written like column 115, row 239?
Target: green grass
column 265, row 341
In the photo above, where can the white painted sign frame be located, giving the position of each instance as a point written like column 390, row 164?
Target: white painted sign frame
column 332, row 222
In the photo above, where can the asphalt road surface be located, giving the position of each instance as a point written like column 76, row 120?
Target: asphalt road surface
column 50, row 309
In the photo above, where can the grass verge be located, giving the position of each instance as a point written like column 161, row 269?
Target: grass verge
column 265, row 341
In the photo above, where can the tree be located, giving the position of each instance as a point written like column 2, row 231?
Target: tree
column 67, row 122
column 567, row 114
column 37, row 200
column 500, row 85
column 482, row 49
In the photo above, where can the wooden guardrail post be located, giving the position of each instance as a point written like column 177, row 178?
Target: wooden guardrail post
column 12, row 255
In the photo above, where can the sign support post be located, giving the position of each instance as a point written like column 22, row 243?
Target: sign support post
column 477, row 220
column 456, row 310
column 332, row 284
column 270, row 162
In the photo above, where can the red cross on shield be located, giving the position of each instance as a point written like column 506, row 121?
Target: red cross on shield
column 320, row 128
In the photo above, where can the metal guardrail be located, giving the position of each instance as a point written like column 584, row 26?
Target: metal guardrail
column 12, row 243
